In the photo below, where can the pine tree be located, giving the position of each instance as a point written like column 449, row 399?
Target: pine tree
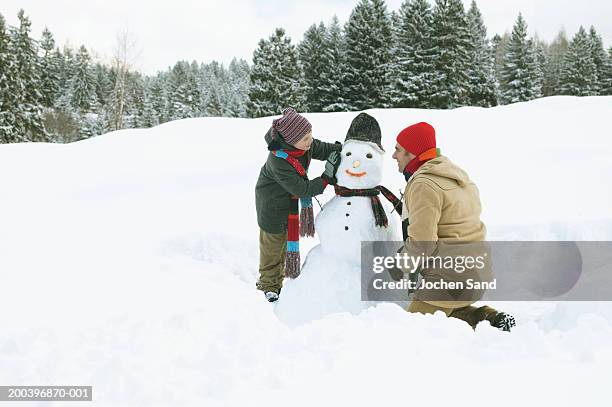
column 68, row 65
column 520, row 76
column 213, row 95
column 158, row 97
column 214, row 106
column 135, row 99
column 579, row 72
column 83, row 95
column 49, row 69
column 194, row 90
column 412, row 66
column 368, row 38
column 66, row 62
column 239, row 83
column 539, row 49
column 482, row 86
column 149, row 117
column 103, row 86
column 331, row 92
column 103, row 93
column 498, row 49
column 62, row 122
column 82, row 84
column 29, row 100
column 554, row 59
column 180, row 103
column 8, row 130
column 599, row 55
column 451, row 43
column 396, row 22
column 607, row 82
column 275, row 76
column 312, row 58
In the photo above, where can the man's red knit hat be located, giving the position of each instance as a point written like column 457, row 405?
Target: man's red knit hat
column 417, row 138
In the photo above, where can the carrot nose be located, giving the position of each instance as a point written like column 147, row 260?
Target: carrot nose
column 356, row 163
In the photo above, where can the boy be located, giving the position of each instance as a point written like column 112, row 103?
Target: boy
column 282, row 181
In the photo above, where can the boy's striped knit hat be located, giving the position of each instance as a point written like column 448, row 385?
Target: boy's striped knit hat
column 292, row 126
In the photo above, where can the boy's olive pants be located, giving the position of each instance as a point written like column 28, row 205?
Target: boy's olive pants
column 272, row 249
column 470, row 314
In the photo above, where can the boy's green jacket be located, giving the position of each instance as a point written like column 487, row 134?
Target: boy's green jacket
column 278, row 181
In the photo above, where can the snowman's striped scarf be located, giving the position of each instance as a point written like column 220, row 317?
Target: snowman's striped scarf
column 297, row 225
column 380, row 217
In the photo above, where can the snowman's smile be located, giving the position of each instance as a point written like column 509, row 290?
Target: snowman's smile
column 355, row 174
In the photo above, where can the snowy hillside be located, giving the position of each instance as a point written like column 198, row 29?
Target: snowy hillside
column 128, row 262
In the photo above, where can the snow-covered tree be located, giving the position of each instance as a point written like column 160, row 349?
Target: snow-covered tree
column 50, row 76
column 157, row 98
column 520, row 75
column 194, row 89
column 83, row 84
column 135, row 99
column 368, row 38
column 103, row 85
column 103, row 98
column 180, row 87
column 331, row 90
column 539, row 53
column 607, row 82
column 579, row 72
column 395, row 19
column 66, row 62
column 554, row 60
column 312, row 58
column 238, row 87
column 482, row 86
column 599, row 55
column 214, row 90
column 29, row 100
column 498, row 50
column 149, row 117
column 413, row 59
column 8, row 130
column 451, row 43
column 275, row 76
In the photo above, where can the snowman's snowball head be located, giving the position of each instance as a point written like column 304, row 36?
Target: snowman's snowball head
column 361, row 165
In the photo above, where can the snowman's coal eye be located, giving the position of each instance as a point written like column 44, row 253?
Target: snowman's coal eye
column 369, row 155
column 348, row 153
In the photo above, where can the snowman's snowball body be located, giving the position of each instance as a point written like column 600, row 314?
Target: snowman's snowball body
column 331, row 277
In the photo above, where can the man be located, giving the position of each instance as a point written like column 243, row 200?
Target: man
column 441, row 208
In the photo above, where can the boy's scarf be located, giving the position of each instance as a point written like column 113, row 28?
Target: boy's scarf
column 302, row 225
column 380, row 217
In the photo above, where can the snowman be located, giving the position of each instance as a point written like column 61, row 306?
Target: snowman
column 330, row 281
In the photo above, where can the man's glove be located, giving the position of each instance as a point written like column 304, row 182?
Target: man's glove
column 396, row 274
column 331, row 167
column 412, row 276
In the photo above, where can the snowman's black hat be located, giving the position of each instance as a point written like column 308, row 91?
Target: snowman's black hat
column 365, row 128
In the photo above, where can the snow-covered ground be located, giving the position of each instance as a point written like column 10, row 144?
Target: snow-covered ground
column 128, row 262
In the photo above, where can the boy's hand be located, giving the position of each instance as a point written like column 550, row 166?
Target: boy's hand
column 331, row 167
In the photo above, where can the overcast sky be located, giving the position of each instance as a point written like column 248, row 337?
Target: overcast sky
column 207, row 30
